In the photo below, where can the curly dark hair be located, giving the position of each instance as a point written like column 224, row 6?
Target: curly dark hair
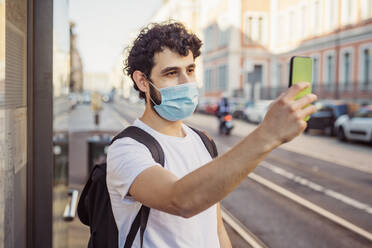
column 153, row 39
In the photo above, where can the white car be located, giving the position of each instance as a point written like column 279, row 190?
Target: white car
column 356, row 127
column 257, row 111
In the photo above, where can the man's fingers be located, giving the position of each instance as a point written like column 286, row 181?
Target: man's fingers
column 294, row 90
column 303, row 101
column 307, row 111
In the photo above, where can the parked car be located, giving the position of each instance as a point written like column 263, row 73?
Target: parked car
column 237, row 106
column 357, row 126
column 207, row 106
column 257, row 111
column 200, row 108
column 326, row 115
column 211, row 107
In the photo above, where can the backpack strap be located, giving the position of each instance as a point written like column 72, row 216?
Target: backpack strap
column 145, row 138
column 208, row 142
column 157, row 153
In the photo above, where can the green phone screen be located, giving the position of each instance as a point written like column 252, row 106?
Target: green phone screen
column 301, row 71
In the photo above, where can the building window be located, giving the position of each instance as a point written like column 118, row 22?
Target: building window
column 276, row 88
column 260, row 25
column 222, row 77
column 254, row 28
column 223, row 37
column 209, row 38
column 315, row 71
column 330, row 67
column 366, row 68
column 346, row 70
column 248, row 34
column 279, row 74
column 208, row 80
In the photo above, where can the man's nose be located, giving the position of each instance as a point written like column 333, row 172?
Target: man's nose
column 184, row 78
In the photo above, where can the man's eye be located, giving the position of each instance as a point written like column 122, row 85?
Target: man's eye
column 171, row 73
column 191, row 70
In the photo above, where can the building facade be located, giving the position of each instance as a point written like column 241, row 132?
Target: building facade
column 248, row 45
column 76, row 75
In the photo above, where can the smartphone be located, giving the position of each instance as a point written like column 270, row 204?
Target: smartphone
column 301, row 70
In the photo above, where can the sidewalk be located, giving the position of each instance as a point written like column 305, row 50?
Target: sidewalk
column 78, row 233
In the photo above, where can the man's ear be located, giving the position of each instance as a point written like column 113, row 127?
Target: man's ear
column 140, row 81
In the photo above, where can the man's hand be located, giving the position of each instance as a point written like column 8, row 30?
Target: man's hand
column 285, row 118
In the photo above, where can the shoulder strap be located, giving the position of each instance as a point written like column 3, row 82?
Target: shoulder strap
column 208, row 142
column 157, row 153
column 145, row 138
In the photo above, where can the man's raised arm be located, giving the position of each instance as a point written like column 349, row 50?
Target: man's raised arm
column 158, row 188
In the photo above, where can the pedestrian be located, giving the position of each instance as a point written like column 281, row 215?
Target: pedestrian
column 223, row 109
column 184, row 196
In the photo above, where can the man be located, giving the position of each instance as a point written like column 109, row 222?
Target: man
column 184, row 196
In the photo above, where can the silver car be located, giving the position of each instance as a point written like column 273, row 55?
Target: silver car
column 355, row 127
column 256, row 112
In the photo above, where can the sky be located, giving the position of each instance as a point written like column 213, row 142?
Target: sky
column 103, row 28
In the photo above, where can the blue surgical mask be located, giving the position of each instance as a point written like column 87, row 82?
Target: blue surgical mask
column 177, row 102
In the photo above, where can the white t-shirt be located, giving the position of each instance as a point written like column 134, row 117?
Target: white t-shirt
column 127, row 158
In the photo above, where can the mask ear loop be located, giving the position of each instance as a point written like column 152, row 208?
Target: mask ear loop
column 148, row 79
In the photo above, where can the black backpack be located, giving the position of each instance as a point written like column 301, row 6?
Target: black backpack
column 94, row 207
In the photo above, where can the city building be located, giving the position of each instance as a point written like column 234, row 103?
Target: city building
column 76, row 75
column 248, row 45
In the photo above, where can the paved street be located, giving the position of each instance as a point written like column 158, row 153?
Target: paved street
column 311, row 192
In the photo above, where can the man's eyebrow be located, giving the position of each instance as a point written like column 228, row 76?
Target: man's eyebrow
column 174, row 68
column 167, row 69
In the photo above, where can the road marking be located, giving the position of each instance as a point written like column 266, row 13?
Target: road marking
column 311, row 206
column 242, row 230
column 305, row 182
